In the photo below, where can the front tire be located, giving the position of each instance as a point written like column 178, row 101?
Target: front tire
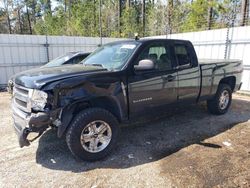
column 221, row 102
column 92, row 134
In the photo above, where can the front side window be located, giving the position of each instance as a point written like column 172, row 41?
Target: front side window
column 159, row 53
column 111, row 56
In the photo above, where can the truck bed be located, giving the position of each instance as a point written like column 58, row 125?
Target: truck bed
column 218, row 61
column 214, row 70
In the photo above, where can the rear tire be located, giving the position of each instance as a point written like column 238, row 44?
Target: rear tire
column 92, row 134
column 221, row 102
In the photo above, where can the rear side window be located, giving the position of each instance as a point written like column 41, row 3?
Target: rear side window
column 182, row 56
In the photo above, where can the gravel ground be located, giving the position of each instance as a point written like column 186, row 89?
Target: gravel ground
column 189, row 149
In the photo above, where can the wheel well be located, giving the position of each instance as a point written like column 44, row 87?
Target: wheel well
column 101, row 102
column 231, row 81
column 107, row 104
column 80, row 106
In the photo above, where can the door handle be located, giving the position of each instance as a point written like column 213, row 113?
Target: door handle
column 169, row 78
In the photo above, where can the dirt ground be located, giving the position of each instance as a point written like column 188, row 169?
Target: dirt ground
column 189, row 149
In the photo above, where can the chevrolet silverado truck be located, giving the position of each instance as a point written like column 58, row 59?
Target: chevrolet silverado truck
column 118, row 83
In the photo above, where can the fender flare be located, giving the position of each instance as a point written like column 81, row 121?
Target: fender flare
column 69, row 111
column 68, row 114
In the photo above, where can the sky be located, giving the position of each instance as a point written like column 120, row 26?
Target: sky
column 54, row 3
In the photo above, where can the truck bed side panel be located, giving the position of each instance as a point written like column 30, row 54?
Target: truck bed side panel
column 213, row 73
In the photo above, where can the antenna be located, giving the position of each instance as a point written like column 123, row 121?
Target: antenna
column 136, row 36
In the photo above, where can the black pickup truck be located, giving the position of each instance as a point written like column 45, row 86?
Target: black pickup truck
column 115, row 85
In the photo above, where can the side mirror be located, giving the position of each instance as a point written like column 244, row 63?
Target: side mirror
column 145, row 64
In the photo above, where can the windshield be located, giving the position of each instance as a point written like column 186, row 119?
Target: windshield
column 111, row 56
column 59, row 60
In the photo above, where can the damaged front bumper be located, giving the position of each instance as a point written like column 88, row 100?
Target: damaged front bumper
column 25, row 123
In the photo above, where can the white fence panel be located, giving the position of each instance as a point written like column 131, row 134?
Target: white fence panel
column 22, row 52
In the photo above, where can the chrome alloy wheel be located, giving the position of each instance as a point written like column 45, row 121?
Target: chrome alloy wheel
column 96, row 136
column 224, row 100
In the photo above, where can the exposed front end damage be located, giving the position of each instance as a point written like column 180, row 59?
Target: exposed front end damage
column 25, row 119
column 25, row 123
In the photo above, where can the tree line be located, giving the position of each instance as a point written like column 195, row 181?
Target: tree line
column 119, row 18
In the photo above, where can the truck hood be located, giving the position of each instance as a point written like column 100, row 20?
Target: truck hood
column 36, row 78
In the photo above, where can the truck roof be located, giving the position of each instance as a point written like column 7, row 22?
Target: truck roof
column 144, row 40
column 159, row 39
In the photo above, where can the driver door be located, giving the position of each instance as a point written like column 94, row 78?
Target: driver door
column 149, row 89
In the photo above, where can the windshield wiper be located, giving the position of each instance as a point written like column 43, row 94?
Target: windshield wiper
column 94, row 64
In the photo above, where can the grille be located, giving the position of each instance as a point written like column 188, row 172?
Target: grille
column 21, row 97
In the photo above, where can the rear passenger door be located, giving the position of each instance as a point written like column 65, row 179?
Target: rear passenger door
column 153, row 88
column 188, row 72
